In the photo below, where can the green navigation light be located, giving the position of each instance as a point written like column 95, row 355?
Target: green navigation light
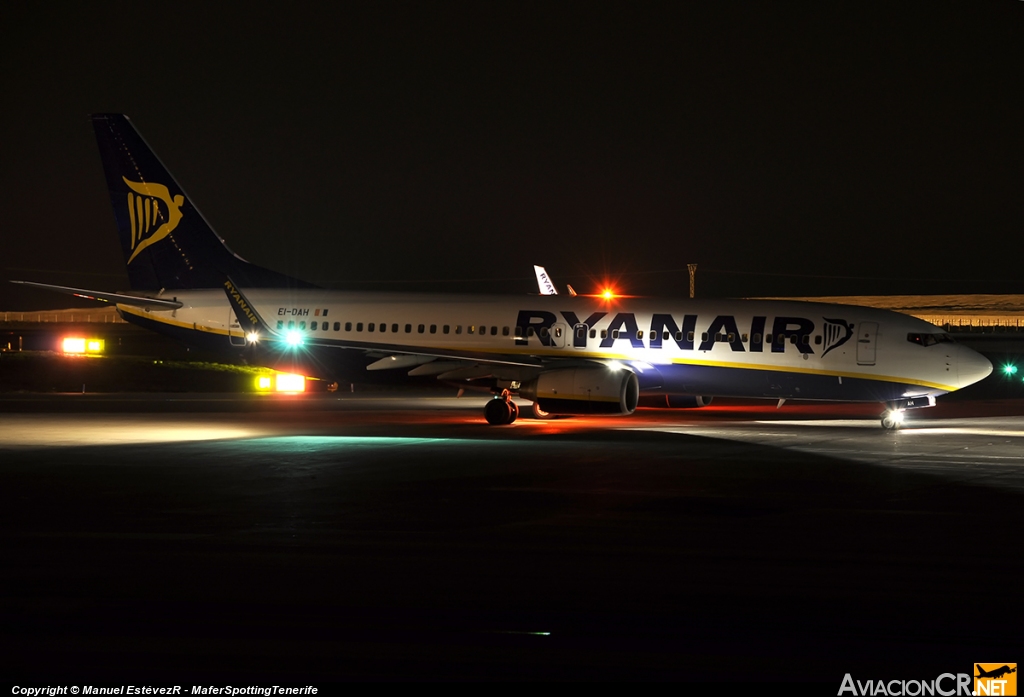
column 1009, row 369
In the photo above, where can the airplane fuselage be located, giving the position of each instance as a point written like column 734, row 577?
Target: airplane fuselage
column 747, row 348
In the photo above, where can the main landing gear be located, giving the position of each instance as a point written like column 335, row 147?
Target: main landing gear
column 501, row 410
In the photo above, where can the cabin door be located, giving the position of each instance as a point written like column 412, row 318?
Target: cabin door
column 867, row 333
column 235, row 334
column 579, row 336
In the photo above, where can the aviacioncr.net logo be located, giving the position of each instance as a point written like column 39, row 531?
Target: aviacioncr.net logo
column 944, row 685
column 995, row 679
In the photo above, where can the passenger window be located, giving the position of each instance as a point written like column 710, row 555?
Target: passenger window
column 408, row 329
column 359, row 326
column 792, row 339
column 420, row 328
column 679, row 336
column 730, row 337
column 817, row 339
column 640, row 335
column 302, row 324
column 280, row 324
column 593, row 333
column 348, row 326
column 581, row 332
column 689, row 337
column 369, row 327
column 394, row 328
column 604, row 333
column 494, row 331
column 458, row 328
column 615, row 333
column 767, row 338
column 291, row 324
column 312, row 326
column 337, row 326
column 665, row 336
column 654, row 335
column 704, row 336
column 757, row 339
column 472, row 329
column 806, row 339
column 518, row 332
column 433, row 329
column 743, row 338
column 445, row 329
column 383, row 327
column 504, row 331
column 483, row 330
column 543, row 332
column 529, row 331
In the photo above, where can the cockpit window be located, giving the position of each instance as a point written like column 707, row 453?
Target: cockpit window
column 929, row 339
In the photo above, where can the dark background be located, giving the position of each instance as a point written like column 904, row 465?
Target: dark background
column 817, row 148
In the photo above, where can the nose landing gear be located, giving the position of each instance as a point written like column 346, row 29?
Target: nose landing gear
column 892, row 419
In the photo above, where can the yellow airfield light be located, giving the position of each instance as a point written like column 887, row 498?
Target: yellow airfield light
column 78, row 345
column 281, row 382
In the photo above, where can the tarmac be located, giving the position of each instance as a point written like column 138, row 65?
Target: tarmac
column 315, row 538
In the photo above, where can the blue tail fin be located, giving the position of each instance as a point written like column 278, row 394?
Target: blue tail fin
column 166, row 241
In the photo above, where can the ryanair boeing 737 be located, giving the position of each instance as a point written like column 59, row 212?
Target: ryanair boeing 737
column 568, row 354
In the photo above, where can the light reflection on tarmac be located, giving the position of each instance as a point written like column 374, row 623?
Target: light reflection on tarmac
column 382, row 537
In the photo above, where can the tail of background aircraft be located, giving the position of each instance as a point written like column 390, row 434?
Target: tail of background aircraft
column 167, row 243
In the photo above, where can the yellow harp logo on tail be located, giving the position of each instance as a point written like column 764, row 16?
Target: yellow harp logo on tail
column 151, row 222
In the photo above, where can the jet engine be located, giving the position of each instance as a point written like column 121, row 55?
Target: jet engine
column 589, row 390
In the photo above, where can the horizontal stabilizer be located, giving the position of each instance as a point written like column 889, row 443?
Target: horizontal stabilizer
column 119, row 298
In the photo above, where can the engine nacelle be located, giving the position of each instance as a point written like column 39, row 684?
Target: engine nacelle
column 596, row 390
column 676, row 401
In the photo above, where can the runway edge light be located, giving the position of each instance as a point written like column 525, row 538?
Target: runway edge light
column 289, row 382
column 79, row 345
column 281, row 382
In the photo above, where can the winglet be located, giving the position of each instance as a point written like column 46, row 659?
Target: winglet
column 248, row 318
column 544, row 281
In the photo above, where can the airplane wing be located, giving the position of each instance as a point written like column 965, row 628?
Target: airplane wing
column 102, row 296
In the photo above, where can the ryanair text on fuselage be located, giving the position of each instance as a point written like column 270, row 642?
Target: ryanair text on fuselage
column 623, row 326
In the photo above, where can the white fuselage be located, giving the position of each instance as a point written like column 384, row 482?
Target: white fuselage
column 762, row 348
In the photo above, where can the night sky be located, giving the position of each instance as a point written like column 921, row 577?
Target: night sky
column 788, row 149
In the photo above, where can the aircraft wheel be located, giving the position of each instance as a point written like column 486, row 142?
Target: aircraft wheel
column 513, row 412
column 539, row 413
column 497, row 412
column 890, row 422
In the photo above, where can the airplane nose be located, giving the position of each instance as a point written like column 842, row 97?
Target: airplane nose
column 971, row 366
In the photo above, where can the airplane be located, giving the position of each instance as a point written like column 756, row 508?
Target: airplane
column 582, row 354
column 994, row 673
